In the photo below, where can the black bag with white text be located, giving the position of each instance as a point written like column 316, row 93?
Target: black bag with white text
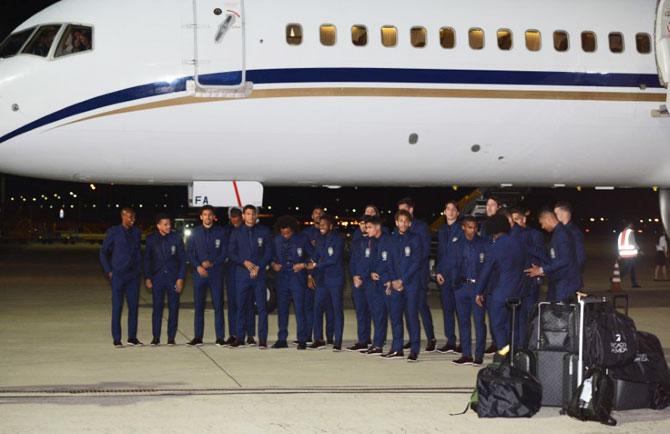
column 611, row 338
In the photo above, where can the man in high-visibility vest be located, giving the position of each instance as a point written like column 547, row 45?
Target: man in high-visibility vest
column 628, row 253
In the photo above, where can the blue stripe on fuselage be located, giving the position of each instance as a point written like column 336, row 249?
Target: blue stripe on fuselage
column 353, row 75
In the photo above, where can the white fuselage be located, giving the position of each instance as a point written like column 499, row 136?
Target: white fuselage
column 341, row 114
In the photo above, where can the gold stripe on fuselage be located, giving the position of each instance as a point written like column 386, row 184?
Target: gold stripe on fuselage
column 399, row 93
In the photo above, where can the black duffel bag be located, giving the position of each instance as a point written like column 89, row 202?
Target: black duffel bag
column 610, row 337
column 506, row 391
column 649, row 367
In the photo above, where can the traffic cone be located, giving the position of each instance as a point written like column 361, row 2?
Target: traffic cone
column 616, row 278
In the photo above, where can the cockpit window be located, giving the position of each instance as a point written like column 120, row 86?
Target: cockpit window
column 14, row 42
column 40, row 43
column 75, row 39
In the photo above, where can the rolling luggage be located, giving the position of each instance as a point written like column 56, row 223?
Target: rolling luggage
column 553, row 328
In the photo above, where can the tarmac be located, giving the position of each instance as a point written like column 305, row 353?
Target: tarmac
column 59, row 372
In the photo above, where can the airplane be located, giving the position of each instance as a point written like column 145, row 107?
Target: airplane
column 227, row 96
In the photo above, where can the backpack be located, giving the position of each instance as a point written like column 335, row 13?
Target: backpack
column 610, row 338
column 594, row 399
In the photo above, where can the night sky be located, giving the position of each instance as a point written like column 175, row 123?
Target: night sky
column 40, row 201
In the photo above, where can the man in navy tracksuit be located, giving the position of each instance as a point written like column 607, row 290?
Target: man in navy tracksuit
column 470, row 254
column 507, row 257
column 164, row 271
column 235, row 221
column 206, row 251
column 561, row 263
column 563, row 211
column 313, row 233
column 534, row 243
column 521, row 234
column 493, row 205
column 328, row 269
column 290, row 263
column 380, row 244
column 359, row 266
column 421, row 229
column 402, row 287
column 250, row 249
column 449, row 235
column 120, row 256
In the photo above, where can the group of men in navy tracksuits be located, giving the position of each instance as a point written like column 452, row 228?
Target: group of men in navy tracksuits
column 479, row 270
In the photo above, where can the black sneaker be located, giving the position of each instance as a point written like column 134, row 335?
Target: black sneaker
column 118, row 344
column 296, row 342
column 407, row 346
column 491, row 350
column 135, row 342
column 171, row 343
column 262, row 345
column 337, row 348
column 238, row 343
column 463, row 361
column 330, row 341
column 309, row 342
column 374, row 351
column 412, row 357
column 446, row 348
column 279, row 344
column 195, row 342
column 365, row 349
column 432, row 343
column 220, row 342
column 155, row 342
column 317, row 345
column 302, row 346
column 251, row 341
column 231, row 340
column 478, row 362
column 393, row 355
column 357, row 347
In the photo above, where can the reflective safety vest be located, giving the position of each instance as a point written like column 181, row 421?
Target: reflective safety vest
column 627, row 246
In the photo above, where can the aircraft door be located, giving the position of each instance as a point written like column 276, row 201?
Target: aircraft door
column 662, row 42
column 219, row 48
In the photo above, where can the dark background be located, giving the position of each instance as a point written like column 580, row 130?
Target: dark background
column 26, row 201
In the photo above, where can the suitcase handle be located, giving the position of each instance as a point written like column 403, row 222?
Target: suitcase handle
column 621, row 297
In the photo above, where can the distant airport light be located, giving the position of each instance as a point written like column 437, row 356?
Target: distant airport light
column 454, row 187
column 71, row 206
column 92, row 186
column 649, row 220
column 117, row 205
column 579, row 188
column 140, row 205
column 74, row 195
column 61, row 213
column 641, row 221
column 505, row 185
column 592, row 219
column 34, row 199
column 559, row 185
column 93, row 205
column 12, row 199
column 71, row 193
column 602, row 219
column 269, row 207
column 655, row 188
column 353, row 210
column 604, row 187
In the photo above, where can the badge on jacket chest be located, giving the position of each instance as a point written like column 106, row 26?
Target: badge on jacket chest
column 455, row 239
column 408, row 251
column 481, row 258
column 385, row 255
column 367, row 252
column 260, row 242
column 330, row 251
column 217, row 243
column 173, row 250
column 552, row 252
column 299, row 252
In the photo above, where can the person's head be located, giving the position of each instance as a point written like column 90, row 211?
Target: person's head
column 508, row 215
column 451, row 211
column 249, row 215
column 548, row 220
column 286, row 226
column 497, row 225
column 317, row 212
column 403, row 221
column 127, row 217
column 235, row 216
column 519, row 216
column 469, row 226
column 326, row 224
column 371, row 209
column 362, row 222
column 207, row 216
column 563, row 211
column 163, row 223
column 407, row 204
column 373, row 226
column 492, row 206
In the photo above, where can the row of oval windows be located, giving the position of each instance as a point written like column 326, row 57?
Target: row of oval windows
column 419, row 38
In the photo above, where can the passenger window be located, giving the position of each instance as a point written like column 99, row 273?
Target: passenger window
column 293, row 34
column 504, row 39
column 418, row 36
column 389, row 36
column 533, row 40
column 359, row 35
column 561, row 41
column 75, row 39
column 14, row 42
column 616, row 42
column 447, row 37
column 476, row 38
column 40, row 43
column 328, row 34
column 588, row 42
column 643, row 43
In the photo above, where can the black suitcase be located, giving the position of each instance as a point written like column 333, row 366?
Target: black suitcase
column 549, row 373
column 629, row 395
column 570, row 380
